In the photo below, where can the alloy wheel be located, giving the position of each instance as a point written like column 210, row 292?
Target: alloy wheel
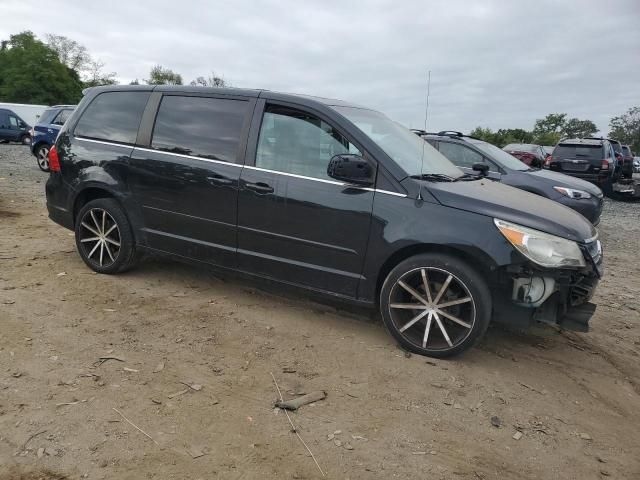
column 43, row 158
column 432, row 308
column 100, row 237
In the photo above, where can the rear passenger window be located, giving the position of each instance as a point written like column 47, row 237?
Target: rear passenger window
column 297, row 142
column 200, row 126
column 460, row 155
column 113, row 116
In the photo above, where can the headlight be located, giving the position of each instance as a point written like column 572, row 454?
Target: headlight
column 572, row 193
column 541, row 248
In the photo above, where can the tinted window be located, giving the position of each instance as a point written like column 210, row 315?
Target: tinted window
column 47, row 115
column 459, row 154
column 113, row 116
column 498, row 155
column 297, row 142
column 626, row 151
column 200, row 126
column 62, row 117
column 578, row 151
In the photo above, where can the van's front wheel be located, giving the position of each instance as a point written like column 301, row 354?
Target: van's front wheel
column 435, row 305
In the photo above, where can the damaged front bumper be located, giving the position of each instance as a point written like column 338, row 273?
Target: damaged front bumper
column 554, row 296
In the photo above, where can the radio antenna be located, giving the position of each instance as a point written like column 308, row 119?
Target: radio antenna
column 426, row 116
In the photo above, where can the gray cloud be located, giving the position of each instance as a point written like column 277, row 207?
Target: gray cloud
column 496, row 64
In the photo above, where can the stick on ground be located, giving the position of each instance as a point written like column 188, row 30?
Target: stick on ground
column 295, row 430
column 136, row 427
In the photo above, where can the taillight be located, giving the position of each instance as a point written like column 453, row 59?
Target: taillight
column 605, row 164
column 54, row 161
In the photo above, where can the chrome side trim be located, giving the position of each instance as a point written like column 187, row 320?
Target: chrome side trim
column 322, row 180
column 332, row 182
column 111, row 144
column 189, row 156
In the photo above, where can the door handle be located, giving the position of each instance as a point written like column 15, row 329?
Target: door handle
column 259, row 187
column 219, row 180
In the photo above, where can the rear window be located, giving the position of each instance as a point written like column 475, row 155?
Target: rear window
column 626, row 151
column 521, row 147
column 47, row 115
column 113, row 116
column 62, row 117
column 200, row 126
column 594, row 152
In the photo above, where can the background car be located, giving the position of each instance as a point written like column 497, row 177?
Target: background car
column 591, row 159
column 465, row 152
column 636, row 164
column 528, row 153
column 13, row 128
column 46, row 130
column 627, row 161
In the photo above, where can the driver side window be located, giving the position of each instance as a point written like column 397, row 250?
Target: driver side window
column 292, row 141
column 13, row 122
column 464, row 157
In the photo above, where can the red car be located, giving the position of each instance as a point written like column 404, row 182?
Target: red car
column 529, row 154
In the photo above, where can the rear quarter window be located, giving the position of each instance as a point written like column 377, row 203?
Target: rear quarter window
column 113, row 116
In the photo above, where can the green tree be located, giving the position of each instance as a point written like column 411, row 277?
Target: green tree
column 552, row 123
column 626, row 128
column 576, row 128
column 32, row 73
column 70, row 52
column 163, row 76
column 96, row 76
column 212, row 81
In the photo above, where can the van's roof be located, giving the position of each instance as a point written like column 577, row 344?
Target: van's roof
column 581, row 141
column 242, row 92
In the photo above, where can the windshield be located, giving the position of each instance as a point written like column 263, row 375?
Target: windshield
column 403, row 146
column 500, row 156
column 521, row 147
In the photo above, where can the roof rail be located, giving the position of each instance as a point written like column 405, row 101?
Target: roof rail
column 451, row 133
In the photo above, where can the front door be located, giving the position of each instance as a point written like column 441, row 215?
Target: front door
column 186, row 181
column 294, row 222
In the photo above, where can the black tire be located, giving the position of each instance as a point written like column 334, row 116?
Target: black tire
column 42, row 152
column 25, row 140
column 464, row 285
column 117, row 252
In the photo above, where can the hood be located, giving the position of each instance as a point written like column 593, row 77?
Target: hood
column 562, row 180
column 496, row 200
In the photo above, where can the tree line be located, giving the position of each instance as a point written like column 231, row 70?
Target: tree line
column 56, row 70
column 555, row 126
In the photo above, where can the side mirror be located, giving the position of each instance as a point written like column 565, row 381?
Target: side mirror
column 481, row 168
column 351, row 168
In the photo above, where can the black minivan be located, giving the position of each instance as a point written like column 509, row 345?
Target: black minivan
column 322, row 194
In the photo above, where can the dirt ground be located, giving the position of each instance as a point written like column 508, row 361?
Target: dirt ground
column 573, row 398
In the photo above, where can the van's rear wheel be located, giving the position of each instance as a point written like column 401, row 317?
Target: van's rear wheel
column 104, row 237
column 435, row 305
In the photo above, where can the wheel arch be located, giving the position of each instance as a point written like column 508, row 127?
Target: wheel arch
column 478, row 260
column 89, row 193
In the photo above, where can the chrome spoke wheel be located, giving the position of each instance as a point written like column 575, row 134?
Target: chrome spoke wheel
column 43, row 158
column 432, row 308
column 99, row 237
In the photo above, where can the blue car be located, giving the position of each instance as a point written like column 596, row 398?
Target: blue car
column 46, row 130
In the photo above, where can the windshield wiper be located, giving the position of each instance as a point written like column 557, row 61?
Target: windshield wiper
column 434, row 177
column 468, row 177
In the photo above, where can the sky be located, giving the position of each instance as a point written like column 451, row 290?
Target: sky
column 496, row 64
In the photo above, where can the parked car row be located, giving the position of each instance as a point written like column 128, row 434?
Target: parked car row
column 470, row 154
column 327, row 196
